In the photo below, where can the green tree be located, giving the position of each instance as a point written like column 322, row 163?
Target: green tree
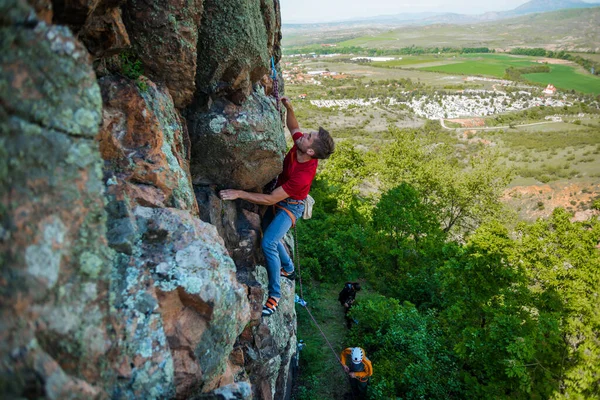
column 464, row 194
column 407, row 351
column 563, row 266
column 492, row 319
column 402, row 214
column 344, row 171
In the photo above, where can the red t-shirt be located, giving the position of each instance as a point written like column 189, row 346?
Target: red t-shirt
column 297, row 177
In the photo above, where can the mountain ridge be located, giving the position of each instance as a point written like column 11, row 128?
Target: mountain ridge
column 426, row 18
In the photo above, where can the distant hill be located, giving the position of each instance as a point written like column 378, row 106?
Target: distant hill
column 570, row 28
column 531, row 7
column 537, row 6
column 427, row 18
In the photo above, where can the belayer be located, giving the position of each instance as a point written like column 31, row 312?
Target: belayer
column 288, row 197
column 359, row 368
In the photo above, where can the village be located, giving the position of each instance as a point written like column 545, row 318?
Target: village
column 506, row 96
column 469, row 103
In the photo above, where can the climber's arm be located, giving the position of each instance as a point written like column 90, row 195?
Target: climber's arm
column 343, row 357
column 257, row 198
column 290, row 119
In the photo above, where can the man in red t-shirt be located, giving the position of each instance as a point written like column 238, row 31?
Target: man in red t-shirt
column 293, row 184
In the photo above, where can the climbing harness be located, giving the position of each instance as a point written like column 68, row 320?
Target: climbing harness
column 275, row 82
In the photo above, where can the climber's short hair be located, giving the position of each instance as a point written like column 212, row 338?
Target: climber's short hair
column 324, row 145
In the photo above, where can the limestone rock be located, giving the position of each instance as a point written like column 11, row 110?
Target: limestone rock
column 165, row 37
column 144, row 142
column 56, row 330
column 237, row 40
column 235, row 146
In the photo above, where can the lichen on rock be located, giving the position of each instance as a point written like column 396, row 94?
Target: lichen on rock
column 114, row 287
column 56, row 325
column 143, row 139
column 237, row 146
column 165, row 36
column 233, row 47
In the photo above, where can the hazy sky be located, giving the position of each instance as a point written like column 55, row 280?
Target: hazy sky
column 294, row 11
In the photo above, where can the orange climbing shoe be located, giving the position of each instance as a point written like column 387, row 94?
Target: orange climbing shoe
column 270, row 307
column 290, row 275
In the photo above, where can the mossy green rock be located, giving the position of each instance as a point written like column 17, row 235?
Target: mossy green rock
column 165, row 36
column 235, row 146
column 233, row 47
column 47, row 79
column 56, row 330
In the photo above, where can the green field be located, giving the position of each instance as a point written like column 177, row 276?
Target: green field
column 482, row 64
column 589, row 56
column 566, row 77
column 409, row 60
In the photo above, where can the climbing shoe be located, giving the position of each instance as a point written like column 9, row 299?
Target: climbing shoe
column 290, row 275
column 270, row 307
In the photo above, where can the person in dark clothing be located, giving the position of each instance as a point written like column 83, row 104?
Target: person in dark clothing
column 347, row 297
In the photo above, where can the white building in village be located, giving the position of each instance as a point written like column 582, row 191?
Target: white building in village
column 550, row 90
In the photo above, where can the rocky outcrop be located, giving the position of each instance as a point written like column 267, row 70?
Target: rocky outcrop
column 180, row 305
column 97, row 23
column 104, row 33
column 143, row 139
column 165, row 36
column 237, row 146
column 56, row 330
column 233, row 50
column 121, row 278
column 238, row 223
column 271, row 344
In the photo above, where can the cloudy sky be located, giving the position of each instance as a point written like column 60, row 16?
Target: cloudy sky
column 302, row 11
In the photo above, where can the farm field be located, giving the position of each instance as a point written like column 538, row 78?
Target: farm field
column 589, row 56
column 568, row 78
column 493, row 65
column 444, row 70
column 366, row 73
column 411, row 60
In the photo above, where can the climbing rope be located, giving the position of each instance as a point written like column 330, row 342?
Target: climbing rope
column 275, row 83
column 303, row 303
column 297, row 260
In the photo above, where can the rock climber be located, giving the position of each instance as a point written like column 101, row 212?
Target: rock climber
column 359, row 368
column 288, row 197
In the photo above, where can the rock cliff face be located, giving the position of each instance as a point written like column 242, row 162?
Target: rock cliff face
column 123, row 275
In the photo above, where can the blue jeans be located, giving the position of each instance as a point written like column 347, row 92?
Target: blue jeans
column 273, row 248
